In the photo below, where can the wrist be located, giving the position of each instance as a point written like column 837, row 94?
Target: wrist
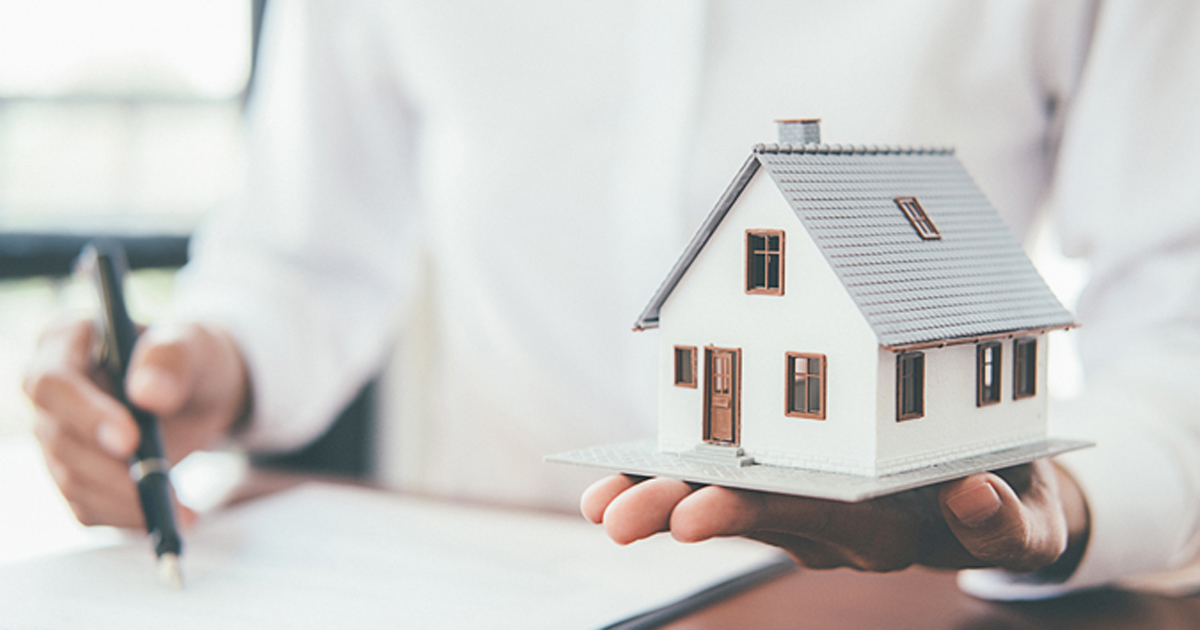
column 1078, row 520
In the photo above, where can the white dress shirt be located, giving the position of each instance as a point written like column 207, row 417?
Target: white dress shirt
column 502, row 186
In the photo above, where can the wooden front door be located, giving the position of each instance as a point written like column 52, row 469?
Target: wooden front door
column 722, row 385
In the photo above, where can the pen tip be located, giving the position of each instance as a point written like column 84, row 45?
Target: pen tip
column 168, row 570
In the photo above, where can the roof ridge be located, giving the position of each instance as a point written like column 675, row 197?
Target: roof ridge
column 850, row 149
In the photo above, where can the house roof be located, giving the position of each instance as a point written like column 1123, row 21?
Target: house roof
column 975, row 282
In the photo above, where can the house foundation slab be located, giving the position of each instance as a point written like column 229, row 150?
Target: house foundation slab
column 644, row 458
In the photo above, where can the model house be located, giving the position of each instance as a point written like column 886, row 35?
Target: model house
column 855, row 310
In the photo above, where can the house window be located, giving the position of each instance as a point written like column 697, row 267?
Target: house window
column 910, row 385
column 987, row 373
column 916, row 216
column 764, row 262
column 1024, row 367
column 685, row 366
column 806, row 385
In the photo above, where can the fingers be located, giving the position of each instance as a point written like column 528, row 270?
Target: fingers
column 77, row 406
column 160, row 371
column 194, row 379
column 96, row 486
column 714, row 511
column 994, row 524
column 977, row 521
column 643, row 510
column 60, row 387
column 718, row 511
column 631, row 511
column 86, row 435
column 597, row 497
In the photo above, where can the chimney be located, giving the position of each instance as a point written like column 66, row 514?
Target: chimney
column 798, row 131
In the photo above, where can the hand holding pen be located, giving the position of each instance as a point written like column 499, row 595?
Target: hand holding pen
column 116, row 334
column 192, row 377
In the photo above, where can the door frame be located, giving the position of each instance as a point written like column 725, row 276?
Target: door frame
column 735, row 389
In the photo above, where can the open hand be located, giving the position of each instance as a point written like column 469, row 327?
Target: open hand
column 1020, row 519
column 192, row 377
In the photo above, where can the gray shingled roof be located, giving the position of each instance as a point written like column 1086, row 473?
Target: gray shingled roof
column 975, row 282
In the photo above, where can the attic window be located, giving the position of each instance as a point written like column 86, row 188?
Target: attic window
column 764, row 262
column 916, row 216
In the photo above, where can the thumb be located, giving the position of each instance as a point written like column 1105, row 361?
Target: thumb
column 997, row 527
column 159, row 373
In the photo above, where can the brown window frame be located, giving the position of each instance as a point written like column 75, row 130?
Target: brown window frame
column 767, row 252
column 988, row 395
column 822, row 377
column 919, row 219
column 919, row 391
column 690, row 350
column 1023, row 372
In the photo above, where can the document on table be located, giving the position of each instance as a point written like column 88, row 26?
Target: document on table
column 325, row 556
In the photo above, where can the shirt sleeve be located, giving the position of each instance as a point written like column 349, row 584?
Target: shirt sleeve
column 308, row 269
column 1127, row 199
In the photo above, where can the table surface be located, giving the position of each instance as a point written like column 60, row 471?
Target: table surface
column 926, row 599
column 801, row 598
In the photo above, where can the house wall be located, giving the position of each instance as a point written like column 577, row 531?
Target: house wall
column 953, row 426
column 815, row 314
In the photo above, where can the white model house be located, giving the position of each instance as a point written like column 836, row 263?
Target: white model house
column 853, row 310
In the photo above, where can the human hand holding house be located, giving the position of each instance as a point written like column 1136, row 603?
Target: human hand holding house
column 833, row 351
column 1021, row 519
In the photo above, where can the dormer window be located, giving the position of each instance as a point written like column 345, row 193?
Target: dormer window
column 916, row 216
column 764, row 262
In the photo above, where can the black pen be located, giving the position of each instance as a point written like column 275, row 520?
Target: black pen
column 105, row 262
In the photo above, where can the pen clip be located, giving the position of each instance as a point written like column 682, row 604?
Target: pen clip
column 102, row 265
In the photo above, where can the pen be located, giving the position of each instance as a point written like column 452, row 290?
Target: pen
column 105, row 262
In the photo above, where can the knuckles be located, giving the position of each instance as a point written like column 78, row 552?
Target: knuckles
column 55, row 445
column 82, row 512
column 45, row 386
column 57, row 451
column 1014, row 548
column 85, row 513
column 69, row 485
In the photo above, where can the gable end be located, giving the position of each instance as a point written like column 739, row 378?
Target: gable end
column 649, row 316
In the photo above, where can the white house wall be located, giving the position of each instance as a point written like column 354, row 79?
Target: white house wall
column 815, row 315
column 953, row 426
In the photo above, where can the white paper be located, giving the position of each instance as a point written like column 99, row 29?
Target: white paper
column 324, row 556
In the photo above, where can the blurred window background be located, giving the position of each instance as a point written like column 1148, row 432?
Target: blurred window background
column 118, row 118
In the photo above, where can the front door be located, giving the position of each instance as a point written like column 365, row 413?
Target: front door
column 721, row 388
